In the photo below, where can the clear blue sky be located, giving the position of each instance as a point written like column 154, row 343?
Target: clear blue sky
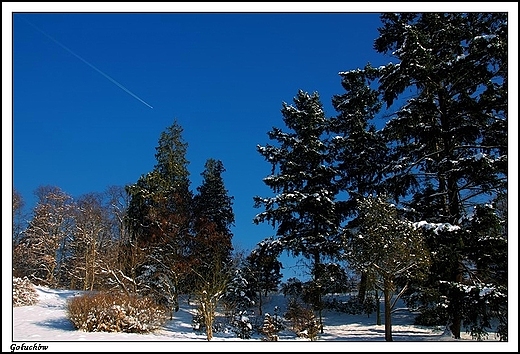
column 83, row 84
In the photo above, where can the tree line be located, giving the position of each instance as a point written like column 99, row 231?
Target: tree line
column 407, row 184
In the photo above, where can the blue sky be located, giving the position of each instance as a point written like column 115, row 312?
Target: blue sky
column 83, row 84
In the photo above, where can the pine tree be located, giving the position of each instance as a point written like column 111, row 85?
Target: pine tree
column 303, row 209
column 449, row 141
column 358, row 148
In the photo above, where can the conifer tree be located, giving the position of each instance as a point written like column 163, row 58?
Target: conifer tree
column 159, row 217
column 213, row 204
column 449, row 140
column 389, row 247
column 303, row 209
column 358, row 149
column 263, row 270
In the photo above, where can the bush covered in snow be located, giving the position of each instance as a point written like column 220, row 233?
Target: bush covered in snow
column 24, row 292
column 271, row 326
column 241, row 325
column 303, row 320
column 104, row 312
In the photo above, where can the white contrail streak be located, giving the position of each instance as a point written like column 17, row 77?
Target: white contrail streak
column 92, row 66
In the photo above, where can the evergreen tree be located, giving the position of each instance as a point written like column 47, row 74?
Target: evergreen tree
column 303, row 210
column 358, row 148
column 212, row 219
column 449, row 141
column 159, row 217
column 389, row 247
column 239, row 297
column 214, row 205
column 263, row 270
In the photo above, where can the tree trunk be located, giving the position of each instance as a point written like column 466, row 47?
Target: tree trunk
column 362, row 288
column 448, row 184
column 378, row 309
column 317, row 280
column 388, row 311
column 260, row 302
column 456, row 308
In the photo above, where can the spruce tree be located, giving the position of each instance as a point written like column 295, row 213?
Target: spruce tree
column 448, row 136
column 358, row 149
column 213, row 204
column 213, row 218
column 303, row 209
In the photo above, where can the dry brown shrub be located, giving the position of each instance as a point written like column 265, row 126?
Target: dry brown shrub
column 114, row 312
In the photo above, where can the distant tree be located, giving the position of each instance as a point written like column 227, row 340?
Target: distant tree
column 390, row 247
column 18, row 205
column 126, row 256
column 448, row 136
column 303, row 209
column 263, row 271
column 44, row 244
column 18, row 227
column 239, row 296
column 91, row 237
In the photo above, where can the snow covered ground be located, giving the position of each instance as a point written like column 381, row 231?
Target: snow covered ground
column 45, row 324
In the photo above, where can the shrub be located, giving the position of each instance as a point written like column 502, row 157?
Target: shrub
column 104, row 312
column 303, row 320
column 271, row 326
column 431, row 316
column 241, row 325
column 24, row 292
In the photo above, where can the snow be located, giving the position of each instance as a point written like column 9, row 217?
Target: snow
column 45, row 324
column 436, row 227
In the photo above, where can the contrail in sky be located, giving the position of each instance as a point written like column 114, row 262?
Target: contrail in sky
column 92, row 66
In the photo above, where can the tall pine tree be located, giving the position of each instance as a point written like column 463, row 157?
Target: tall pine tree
column 303, row 209
column 358, row 148
column 449, row 140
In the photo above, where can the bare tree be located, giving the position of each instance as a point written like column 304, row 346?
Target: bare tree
column 18, row 205
column 212, row 275
column 92, row 236
column 123, row 256
column 44, row 243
